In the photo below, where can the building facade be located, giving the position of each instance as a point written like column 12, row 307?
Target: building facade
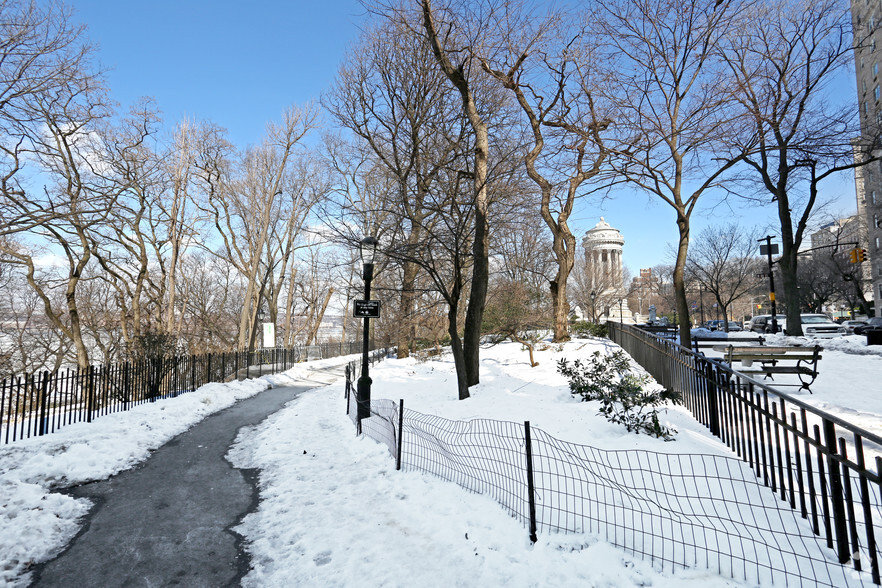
column 866, row 17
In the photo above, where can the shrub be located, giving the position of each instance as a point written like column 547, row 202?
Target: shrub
column 585, row 329
column 623, row 399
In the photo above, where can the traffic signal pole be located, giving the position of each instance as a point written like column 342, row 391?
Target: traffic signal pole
column 768, row 240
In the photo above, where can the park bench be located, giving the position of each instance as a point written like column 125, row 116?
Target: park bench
column 770, row 361
column 699, row 343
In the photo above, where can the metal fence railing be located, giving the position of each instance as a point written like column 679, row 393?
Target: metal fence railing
column 41, row 403
column 821, row 466
column 677, row 510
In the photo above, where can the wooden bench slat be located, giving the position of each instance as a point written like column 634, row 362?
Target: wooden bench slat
column 761, row 357
column 780, row 369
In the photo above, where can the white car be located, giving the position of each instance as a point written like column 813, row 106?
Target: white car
column 820, row 326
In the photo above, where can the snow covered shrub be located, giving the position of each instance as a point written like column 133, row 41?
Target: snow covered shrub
column 623, row 399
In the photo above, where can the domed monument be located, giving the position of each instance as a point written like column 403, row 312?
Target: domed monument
column 603, row 256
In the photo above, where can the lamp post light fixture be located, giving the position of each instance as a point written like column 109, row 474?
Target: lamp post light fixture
column 368, row 250
column 593, row 310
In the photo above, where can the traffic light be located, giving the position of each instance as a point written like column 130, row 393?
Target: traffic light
column 861, row 255
column 853, row 255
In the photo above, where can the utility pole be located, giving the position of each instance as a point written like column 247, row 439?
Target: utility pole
column 768, row 249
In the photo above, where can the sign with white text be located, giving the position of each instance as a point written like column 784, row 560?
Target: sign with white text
column 366, row 309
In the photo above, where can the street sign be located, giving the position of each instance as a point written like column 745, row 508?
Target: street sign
column 764, row 249
column 366, row 309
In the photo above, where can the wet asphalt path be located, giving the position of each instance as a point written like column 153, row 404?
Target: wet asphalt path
column 168, row 521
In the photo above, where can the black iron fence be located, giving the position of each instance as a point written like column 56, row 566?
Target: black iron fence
column 678, row 511
column 41, row 403
column 823, row 467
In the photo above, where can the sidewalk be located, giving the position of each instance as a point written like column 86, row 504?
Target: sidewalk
column 167, row 521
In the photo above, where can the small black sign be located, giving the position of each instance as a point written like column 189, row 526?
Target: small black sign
column 366, row 309
column 764, row 249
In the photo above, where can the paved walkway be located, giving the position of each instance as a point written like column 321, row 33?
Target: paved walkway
column 168, row 521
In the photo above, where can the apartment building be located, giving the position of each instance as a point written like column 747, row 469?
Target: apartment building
column 866, row 17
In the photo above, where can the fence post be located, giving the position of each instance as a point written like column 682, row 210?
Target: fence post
column 44, row 391
column 530, row 492
column 90, row 392
column 836, row 496
column 348, row 386
column 713, row 415
column 400, row 432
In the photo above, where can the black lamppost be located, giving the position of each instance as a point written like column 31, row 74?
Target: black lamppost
column 368, row 249
column 593, row 310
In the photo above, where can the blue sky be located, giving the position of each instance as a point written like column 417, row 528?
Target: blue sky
column 240, row 64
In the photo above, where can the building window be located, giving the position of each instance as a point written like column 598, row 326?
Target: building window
column 876, row 220
column 864, row 86
column 873, row 197
column 876, row 93
column 875, row 69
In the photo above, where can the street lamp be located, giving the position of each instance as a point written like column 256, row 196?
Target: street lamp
column 593, row 310
column 368, row 250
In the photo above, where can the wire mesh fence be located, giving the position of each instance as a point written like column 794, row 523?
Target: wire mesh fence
column 678, row 511
column 39, row 404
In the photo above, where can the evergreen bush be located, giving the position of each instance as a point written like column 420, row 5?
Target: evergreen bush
column 623, row 399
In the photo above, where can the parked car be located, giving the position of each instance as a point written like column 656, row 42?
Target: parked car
column 813, row 325
column 820, row 326
column 851, row 325
column 874, row 324
column 762, row 323
column 720, row 325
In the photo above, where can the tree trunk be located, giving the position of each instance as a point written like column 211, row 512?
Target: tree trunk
column 481, row 245
column 405, row 324
column 318, row 319
column 680, row 281
column 459, row 359
column 565, row 251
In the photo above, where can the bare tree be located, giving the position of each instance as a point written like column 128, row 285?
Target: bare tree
column 522, row 249
column 785, row 55
column 45, row 70
column 50, row 103
column 723, row 261
column 396, row 102
column 454, row 39
column 246, row 205
column 515, row 312
column 673, row 105
column 553, row 85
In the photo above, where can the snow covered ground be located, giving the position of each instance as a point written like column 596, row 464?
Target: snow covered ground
column 334, row 512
